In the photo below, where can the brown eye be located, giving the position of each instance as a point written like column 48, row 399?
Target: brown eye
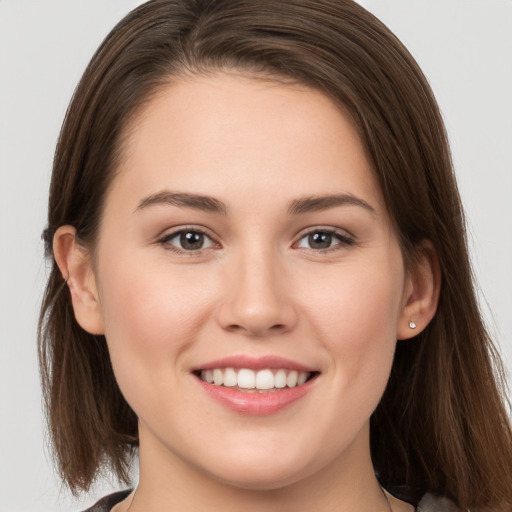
column 191, row 240
column 323, row 239
column 187, row 240
column 320, row 240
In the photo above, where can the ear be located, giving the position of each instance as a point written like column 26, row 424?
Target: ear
column 74, row 262
column 421, row 292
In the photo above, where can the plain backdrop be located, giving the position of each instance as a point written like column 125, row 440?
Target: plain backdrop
column 464, row 48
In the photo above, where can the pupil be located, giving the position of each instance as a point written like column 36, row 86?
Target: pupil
column 320, row 240
column 191, row 240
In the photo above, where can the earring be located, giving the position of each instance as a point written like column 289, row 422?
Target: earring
column 412, row 325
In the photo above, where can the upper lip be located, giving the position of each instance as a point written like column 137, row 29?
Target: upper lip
column 255, row 363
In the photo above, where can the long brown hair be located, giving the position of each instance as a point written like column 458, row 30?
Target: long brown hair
column 442, row 425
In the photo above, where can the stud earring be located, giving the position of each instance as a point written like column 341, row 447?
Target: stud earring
column 412, row 325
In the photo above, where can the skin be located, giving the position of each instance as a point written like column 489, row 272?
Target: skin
column 257, row 287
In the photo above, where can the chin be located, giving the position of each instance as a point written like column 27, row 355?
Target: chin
column 267, row 474
column 263, row 480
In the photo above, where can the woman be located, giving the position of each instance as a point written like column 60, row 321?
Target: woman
column 250, row 205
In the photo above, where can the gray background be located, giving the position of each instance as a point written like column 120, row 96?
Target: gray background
column 465, row 49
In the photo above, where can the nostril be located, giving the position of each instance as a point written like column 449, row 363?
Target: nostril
column 256, row 330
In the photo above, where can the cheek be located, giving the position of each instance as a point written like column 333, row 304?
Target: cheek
column 150, row 302
column 151, row 317
column 352, row 303
column 357, row 324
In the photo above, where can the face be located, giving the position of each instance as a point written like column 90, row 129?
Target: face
column 245, row 240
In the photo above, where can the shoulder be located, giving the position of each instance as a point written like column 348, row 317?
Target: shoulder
column 433, row 503
column 108, row 502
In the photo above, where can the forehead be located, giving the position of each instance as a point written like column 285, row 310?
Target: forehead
column 228, row 133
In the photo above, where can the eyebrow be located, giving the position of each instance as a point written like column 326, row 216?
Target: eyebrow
column 195, row 201
column 317, row 203
column 212, row 205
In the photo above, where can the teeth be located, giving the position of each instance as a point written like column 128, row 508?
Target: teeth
column 249, row 379
column 218, row 377
column 291, row 380
column 264, row 379
column 280, row 379
column 301, row 378
column 230, row 377
column 246, row 379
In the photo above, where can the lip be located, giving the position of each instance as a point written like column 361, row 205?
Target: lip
column 256, row 404
column 255, row 363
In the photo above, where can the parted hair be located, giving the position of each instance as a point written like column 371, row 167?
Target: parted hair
column 442, row 425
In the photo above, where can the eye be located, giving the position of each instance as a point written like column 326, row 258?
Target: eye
column 187, row 240
column 323, row 239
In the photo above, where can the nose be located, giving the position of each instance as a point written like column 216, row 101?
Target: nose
column 257, row 300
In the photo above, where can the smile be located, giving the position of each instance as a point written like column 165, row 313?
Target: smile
column 256, row 386
column 251, row 381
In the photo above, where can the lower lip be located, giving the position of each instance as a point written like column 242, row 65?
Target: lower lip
column 257, row 404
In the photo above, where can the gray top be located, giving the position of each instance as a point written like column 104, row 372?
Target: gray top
column 431, row 503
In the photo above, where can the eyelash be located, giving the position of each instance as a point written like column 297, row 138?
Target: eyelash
column 343, row 240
